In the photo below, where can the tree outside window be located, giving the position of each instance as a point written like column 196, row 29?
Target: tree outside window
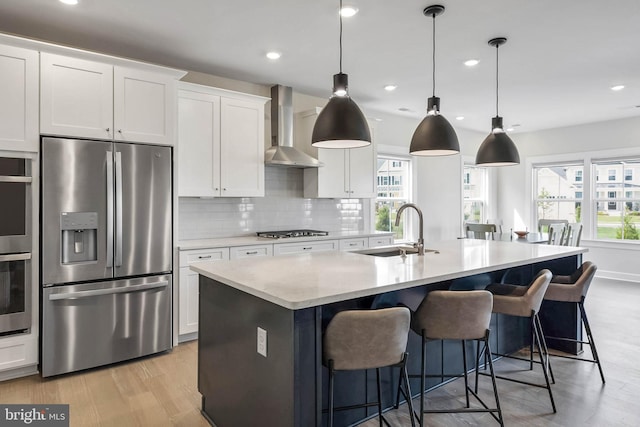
column 393, row 192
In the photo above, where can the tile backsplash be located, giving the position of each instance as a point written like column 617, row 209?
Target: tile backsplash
column 282, row 208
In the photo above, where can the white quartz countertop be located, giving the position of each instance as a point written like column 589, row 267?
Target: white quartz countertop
column 312, row 279
column 184, row 245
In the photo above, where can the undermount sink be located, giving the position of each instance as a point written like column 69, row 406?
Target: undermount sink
column 387, row 251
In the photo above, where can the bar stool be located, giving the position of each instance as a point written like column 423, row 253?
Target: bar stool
column 525, row 301
column 574, row 289
column 455, row 315
column 367, row 339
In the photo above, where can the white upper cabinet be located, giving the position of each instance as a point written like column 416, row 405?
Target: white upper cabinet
column 93, row 99
column 220, row 142
column 347, row 173
column 18, row 99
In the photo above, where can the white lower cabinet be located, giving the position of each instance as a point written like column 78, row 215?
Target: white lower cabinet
column 380, row 241
column 305, row 247
column 189, row 290
column 354, row 244
column 18, row 352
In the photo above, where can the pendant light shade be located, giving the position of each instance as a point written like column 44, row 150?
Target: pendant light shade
column 434, row 136
column 341, row 124
column 497, row 149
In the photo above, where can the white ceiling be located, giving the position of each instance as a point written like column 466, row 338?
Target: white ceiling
column 556, row 69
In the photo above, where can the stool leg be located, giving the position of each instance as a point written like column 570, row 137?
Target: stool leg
column 331, row 372
column 478, row 364
column 544, row 369
column 531, row 346
column 466, row 379
column 592, row 343
column 423, row 369
column 379, row 396
column 405, row 375
column 493, row 379
column 545, row 348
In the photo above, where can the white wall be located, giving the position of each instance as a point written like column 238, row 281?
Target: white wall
column 614, row 260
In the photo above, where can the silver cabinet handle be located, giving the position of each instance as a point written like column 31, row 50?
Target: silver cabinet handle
column 251, row 252
column 119, row 130
column 205, row 257
column 25, row 179
column 15, row 257
column 110, row 291
column 306, row 249
column 118, row 260
column 353, row 244
column 109, row 209
column 108, row 129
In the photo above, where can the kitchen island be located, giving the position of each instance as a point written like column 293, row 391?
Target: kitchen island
column 292, row 298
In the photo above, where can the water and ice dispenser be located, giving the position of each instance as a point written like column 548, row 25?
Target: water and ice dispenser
column 79, row 237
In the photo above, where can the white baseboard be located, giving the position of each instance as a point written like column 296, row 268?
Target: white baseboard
column 187, row 337
column 24, row 371
column 615, row 275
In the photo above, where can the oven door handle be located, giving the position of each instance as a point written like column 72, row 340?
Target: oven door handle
column 26, row 179
column 15, row 257
column 108, row 291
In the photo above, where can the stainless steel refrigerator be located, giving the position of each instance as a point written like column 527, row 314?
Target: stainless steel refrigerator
column 106, row 252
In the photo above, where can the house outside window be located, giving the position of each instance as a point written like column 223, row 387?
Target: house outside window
column 475, row 194
column 616, row 213
column 558, row 192
column 393, row 191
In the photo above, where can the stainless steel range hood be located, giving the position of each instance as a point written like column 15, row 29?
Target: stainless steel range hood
column 282, row 152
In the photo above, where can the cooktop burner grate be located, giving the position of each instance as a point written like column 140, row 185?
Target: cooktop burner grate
column 291, row 233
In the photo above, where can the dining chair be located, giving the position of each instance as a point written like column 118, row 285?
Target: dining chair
column 497, row 222
column 557, row 234
column 572, row 234
column 480, row 231
column 543, row 224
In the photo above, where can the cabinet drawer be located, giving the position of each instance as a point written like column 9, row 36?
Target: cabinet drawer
column 251, row 251
column 380, row 241
column 198, row 255
column 354, row 244
column 304, row 247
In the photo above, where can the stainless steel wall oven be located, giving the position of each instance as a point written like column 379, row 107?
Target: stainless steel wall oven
column 15, row 244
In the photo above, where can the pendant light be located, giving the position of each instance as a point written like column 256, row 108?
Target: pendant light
column 497, row 149
column 341, row 124
column 434, row 136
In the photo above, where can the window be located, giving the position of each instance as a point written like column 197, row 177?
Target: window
column 558, row 192
column 474, row 193
column 617, row 204
column 393, row 192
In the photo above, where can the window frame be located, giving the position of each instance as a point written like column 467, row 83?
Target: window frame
column 407, row 227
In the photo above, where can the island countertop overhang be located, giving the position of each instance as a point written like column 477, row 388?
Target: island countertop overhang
column 308, row 280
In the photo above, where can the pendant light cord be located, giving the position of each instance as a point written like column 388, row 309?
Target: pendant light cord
column 340, row 14
column 497, row 80
column 433, row 57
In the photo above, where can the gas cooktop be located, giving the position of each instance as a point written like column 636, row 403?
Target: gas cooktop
column 291, row 233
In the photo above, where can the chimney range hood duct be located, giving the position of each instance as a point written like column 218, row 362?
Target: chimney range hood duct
column 282, row 152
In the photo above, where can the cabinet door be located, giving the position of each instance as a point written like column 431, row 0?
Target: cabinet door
column 18, row 99
column 198, row 144
column 188, row 308
column 362, row 172
column 241, row 148
column 76, row 97
column 332, row 177
column 144, row 104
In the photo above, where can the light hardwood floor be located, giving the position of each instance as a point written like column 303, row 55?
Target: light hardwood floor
column 162, row 390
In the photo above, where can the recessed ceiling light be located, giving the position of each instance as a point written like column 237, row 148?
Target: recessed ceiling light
column 460, row 118
column 471, row 62
column 348, row 11
column 274, row 55
column 617, row 87
column 390, row 88
column 69, row 1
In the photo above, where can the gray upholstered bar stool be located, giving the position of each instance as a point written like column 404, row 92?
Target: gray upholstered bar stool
column 367, row 339
column 574, row 289
column 455, row 315
column 525, row 301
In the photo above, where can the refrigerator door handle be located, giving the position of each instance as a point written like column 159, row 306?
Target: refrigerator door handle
column 15, row 257
column 118, row 209
column 109, row 291
column 109, row 209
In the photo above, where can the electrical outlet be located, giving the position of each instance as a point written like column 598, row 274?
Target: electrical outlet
column 262, row 342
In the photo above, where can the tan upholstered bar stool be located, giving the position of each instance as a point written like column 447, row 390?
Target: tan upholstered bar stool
column 456, row 315
column 574, row 289
column 367, row 339
column 525, row 301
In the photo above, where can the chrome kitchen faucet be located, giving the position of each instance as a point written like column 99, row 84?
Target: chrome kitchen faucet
column 420, row 244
